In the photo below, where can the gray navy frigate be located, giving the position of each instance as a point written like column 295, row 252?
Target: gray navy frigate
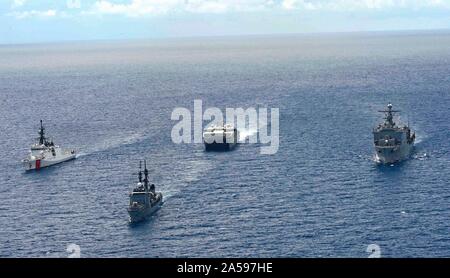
column 144, row 201
column 392, row 143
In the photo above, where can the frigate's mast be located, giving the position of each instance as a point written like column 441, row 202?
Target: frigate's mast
column 140, row 171
column 145, row 175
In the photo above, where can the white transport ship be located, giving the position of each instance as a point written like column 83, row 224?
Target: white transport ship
column 392, row 143
column 220, row 137
column 45, row 153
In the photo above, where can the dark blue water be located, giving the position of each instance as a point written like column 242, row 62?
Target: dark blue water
column 321, row 195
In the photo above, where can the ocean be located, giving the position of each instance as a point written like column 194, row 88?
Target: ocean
column 320, row 195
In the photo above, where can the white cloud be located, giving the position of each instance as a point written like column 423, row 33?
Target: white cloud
column 218, row 6
column 137, row 8
column 206, row 6
column 73, row 4
column 18, row 3
column 355, row 5
column 34, row 13
column 148, row 7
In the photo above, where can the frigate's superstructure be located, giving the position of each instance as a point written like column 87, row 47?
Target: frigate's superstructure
column 45, row 153
column 392, row 143
column 220, row 137
column 143, row 199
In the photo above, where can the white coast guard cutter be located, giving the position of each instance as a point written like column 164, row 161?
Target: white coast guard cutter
column 45, row 153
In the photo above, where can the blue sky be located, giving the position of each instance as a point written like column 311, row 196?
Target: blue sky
column 31, row 21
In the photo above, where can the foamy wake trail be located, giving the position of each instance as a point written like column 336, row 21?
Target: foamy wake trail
column 243, row 135
column 375, row 159
column 112, row 142
column 191, row 171
column 248, row 132
column 421, row 156
column 419, row 138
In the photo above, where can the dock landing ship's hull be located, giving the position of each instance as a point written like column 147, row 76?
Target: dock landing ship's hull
column 393, row 154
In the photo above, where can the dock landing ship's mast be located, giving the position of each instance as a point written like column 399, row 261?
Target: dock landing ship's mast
column 389, row 116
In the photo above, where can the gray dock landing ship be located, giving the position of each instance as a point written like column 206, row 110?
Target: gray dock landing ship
column 144, row 201
column 392, row 143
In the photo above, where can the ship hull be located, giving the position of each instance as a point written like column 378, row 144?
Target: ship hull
column 393, row 154
column 219, row 146
column 37, row 164
column 138, row 215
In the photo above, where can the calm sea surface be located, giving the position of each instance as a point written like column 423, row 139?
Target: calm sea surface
column 320, row 195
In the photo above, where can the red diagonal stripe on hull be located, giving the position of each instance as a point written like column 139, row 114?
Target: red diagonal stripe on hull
column 38, row 164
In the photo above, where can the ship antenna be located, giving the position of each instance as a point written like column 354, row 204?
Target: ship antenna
column 140, row 171
column 41, row 134
column 145, row 173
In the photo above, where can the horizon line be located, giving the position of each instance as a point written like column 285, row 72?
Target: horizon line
column 281, row 34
